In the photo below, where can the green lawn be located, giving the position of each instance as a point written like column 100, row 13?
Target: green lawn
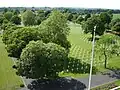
column 116, row 16
column 8, row 79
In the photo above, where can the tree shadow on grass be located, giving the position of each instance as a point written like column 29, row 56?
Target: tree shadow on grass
column 56, row 84
column 76, row 66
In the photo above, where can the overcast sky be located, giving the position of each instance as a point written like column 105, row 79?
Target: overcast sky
column 110, row 4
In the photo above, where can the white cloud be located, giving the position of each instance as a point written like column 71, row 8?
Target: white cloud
column 114, row 4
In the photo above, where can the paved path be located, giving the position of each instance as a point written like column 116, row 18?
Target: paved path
column 97, row 80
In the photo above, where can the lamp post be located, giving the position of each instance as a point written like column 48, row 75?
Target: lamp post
column 92, row 57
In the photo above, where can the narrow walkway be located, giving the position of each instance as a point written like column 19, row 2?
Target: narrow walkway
column 97, row 80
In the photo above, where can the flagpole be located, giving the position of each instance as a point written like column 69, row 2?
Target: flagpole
column 92, row 57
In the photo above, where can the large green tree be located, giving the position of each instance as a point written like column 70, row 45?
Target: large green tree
column 18, row 39
column 16, row 20
column 106, row 46
column 41, row 61
column 28, row 18
column 88, row 26
column 105, row 17
column 55, row 29
column 8, row 15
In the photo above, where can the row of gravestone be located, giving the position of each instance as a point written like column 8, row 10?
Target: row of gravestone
column 84, row 55
column 76, row 66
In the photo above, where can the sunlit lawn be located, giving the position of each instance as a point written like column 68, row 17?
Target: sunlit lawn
column 116, row 16
column 8, row 79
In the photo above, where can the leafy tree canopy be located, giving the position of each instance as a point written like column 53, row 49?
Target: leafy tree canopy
column 105, row 17
column 55, row 29
column 8, row 15
column 95, row 20
column 28, row 18
column 18, row 39
column 106, row 45
column 16, row 20
column 39, row 57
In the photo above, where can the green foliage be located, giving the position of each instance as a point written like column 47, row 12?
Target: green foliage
column 87, row 16
column 16, row 12
column 79, row 19
column 5, row 10
column 47, row 13
column 8, row 15
column 70, row 16
column 75, row 16
column 39, row 57
column 17, row 39
column 116, row 27
column 6, row 25
column 114, row 21
column 55, row 29
column 16, row 20
column 106, row 44
column 40, row 17
column 95, row 20
column 105, row 17
column 5, row 21
column 8, row 32
column 110, row 13
column 28, row 18
column 1, row 19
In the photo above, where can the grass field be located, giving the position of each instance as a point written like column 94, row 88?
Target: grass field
column 116, row 16
column 8, row 79
column 81, row 48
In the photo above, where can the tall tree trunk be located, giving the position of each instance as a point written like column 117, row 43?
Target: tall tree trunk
column 105, row 59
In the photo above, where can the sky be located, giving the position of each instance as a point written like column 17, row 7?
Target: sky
column 109, row 4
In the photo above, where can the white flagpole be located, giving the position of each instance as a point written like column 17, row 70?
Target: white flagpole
column 92, row 57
